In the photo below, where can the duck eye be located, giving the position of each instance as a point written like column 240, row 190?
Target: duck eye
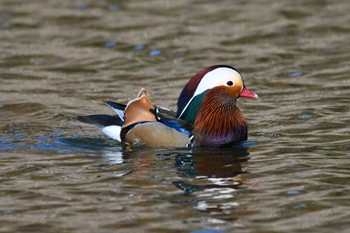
column 229, row 83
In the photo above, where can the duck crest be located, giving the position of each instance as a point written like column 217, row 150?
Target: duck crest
column 219, row 121
column 190, row 88
column 139, row 110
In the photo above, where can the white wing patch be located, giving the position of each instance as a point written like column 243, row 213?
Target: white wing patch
column 112, row 131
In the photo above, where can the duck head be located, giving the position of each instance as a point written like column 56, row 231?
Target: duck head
column 208, row 101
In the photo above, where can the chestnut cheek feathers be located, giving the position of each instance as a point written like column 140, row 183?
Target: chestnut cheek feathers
column 233, row 91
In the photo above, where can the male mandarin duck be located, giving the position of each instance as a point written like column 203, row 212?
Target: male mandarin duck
column 207, row 114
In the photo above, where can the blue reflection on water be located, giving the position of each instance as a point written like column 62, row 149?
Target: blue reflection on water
column 305, row 116
column 111, row 43
column 293, row 192
column 154, row 52
column 139, row 47
column 55, row 142
column 296, row 74
column 300, row 206
column 12, row 142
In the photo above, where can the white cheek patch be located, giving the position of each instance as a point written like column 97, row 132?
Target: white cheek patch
column 217, row 77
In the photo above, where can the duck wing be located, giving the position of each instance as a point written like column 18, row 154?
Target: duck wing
column 110, row 125
column 117, row 107
column 168, row 118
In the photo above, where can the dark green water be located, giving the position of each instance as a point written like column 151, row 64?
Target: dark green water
column 60, row 59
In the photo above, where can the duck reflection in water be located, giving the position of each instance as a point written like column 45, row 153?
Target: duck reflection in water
column 196, row 169
column 215, row 165
column 208, row 178
column 221, row 167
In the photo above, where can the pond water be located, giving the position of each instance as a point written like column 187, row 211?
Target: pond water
column 60, row 59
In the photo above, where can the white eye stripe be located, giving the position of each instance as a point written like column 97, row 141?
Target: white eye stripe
column 217, row 77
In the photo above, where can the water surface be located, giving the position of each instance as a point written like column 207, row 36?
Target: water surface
column 61, row 59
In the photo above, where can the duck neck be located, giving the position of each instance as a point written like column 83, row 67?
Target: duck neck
column 219, row 121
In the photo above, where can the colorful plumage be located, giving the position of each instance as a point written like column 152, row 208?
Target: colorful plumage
column 207, row 115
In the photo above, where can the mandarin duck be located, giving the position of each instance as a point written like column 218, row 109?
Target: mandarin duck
column 207, row 114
